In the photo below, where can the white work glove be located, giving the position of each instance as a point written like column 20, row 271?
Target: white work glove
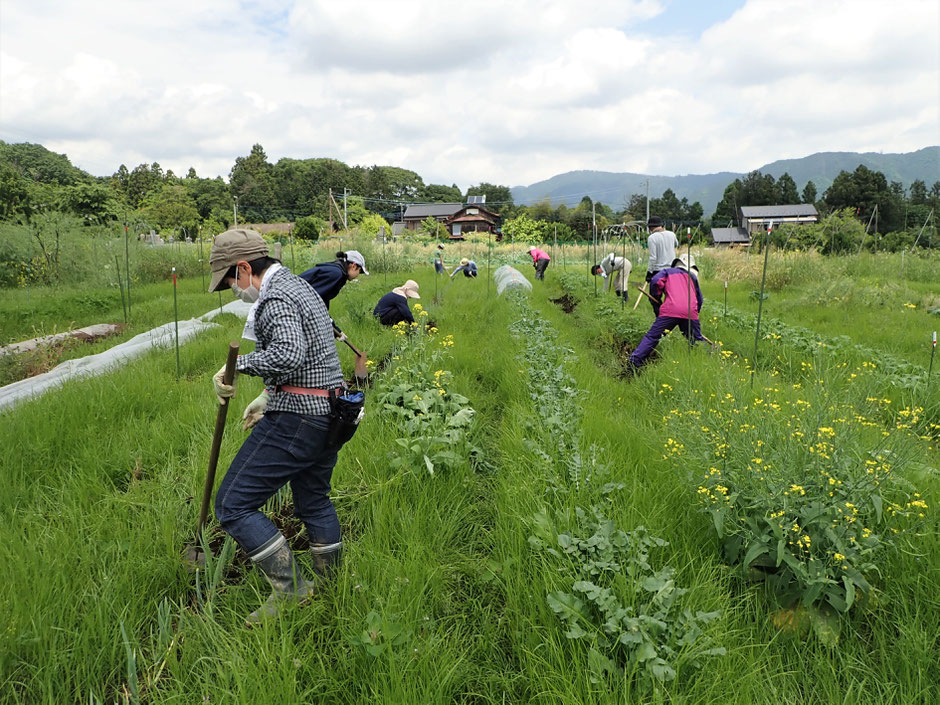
column 255, row 410
column 223, row 391
column 341, row 338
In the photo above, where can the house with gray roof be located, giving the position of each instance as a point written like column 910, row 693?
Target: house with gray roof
column 458, row 218
column 756, row 219
column 730, row 237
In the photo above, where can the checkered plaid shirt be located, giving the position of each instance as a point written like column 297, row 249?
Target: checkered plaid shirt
column 295, row 345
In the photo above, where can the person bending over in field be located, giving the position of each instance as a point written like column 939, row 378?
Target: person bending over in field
column 468, row 267
column 328, row 278
column 393, row 307
column 619, row 267
column 679, row 299
column 540, row 260
column 293, row 441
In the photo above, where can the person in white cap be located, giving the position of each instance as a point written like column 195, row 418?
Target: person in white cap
column 439, row 265
column 393, row 307
column 540, row 260
column 467, row 266
column 328, row 278
column 292, row 440
column 610, row 265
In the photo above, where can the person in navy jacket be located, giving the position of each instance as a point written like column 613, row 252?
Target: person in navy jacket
column 328, row 278
column 680, row 299
column 393, row 307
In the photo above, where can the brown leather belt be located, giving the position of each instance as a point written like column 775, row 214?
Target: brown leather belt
column 312, row 391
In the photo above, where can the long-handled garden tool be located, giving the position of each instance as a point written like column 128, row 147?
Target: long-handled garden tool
column 194, row 554
column 640, row 297
column 361, row 370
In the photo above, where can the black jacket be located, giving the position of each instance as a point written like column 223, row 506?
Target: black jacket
column 327, row 279
column 393, row 308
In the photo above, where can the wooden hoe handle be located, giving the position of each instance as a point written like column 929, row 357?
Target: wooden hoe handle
column 227, row 378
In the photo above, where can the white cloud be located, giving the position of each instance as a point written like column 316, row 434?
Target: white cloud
column 508, row 93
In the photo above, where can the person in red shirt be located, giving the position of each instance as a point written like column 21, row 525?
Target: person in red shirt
column 540, row 260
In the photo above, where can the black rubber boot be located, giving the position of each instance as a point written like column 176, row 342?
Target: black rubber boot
column 326, row 559
column 276, row 561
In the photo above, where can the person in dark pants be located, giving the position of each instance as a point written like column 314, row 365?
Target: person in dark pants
column 674, row 288
column 393, row 307
column 540, row 260
column 439, row 261
column 296, row 356
column 468, row 267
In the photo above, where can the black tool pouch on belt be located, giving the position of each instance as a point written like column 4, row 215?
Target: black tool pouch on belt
column 347, row 411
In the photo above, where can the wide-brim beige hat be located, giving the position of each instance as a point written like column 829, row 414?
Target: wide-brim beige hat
column 231, row 247
column 464, row 262
column 410, row 289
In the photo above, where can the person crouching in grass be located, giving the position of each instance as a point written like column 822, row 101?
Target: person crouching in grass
column 393, row 307
column 673, row 289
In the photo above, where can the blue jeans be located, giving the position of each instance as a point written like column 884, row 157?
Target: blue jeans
column 283, row 447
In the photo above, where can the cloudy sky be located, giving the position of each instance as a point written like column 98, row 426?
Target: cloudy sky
column 463, row 92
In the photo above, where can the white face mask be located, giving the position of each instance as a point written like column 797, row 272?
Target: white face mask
column 249, row 295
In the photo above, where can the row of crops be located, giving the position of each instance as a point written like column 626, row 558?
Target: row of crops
column 521, row 523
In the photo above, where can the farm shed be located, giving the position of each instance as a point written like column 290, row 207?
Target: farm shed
column 755, row 219
column 730, row 237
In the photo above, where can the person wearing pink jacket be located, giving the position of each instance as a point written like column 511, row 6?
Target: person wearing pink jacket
column 540, row 260
column 677, row 290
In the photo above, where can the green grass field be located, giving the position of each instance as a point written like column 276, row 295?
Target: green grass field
column 518, row 571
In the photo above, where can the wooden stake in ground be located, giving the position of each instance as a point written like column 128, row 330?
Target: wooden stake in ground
column 193, row 554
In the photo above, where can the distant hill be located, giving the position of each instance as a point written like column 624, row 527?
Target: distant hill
column 38, row 164
column 613, row 188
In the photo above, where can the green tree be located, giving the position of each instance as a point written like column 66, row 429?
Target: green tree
column 918, row 192
column 89, row 200
column 14, row 194
column 171, row 207
column 786, row 190
column 142, row 182
column 431, row 227
column 252, row 182
column 438, row 193
column 308, row 227
column 371, row 224
column 498, row 198
column 522, row 228
column 809, row 192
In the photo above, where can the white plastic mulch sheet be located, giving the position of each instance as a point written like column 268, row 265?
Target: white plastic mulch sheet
column 91, row 365
column 510, row 278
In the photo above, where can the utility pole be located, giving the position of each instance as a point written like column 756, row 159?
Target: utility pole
column 235, row 208
column 330, row 206
column 345, row 222
column 647, row 200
